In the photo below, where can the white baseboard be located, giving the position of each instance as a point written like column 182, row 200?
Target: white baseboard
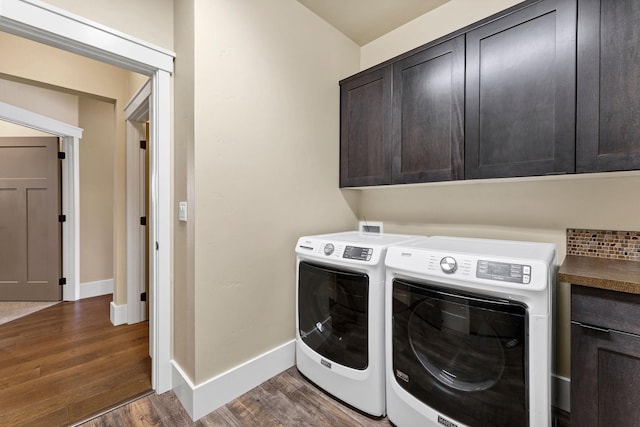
column 204, row 398
column 561, row 392
column 97, row 288
column 118, row 314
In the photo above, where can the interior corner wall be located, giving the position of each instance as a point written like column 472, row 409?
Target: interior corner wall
column 452, row 15
column 98, row 120
column 536, row 209
column 183, row 190
column 266, row 156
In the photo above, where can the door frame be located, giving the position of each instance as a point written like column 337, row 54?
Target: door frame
column 70, row 185
column 136, row 113
column 43, row 23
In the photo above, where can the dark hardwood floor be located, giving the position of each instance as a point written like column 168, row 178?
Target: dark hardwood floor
column 64, row 364
column 287, row 399
column 67, row 363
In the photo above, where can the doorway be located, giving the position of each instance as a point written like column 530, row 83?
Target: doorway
column 29, row 219
column 55, row 27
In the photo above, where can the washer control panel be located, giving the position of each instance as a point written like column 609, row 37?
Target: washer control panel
column 357, row 253
column 505, row 272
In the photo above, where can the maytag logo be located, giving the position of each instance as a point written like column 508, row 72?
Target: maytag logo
column 446, row 422
column 404, row 377
column 325, row 363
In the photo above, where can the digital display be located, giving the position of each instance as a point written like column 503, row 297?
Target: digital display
column 505, row 272
column 354, row 252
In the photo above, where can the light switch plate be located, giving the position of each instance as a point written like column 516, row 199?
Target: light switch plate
column 182, row 211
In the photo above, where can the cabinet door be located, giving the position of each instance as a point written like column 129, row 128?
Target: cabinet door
column 605, row 377
column 365, row 129
column 520, row 111
column 428, row 116
column 608, row 136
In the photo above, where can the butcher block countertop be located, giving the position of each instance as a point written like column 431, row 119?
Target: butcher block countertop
column 603, row 273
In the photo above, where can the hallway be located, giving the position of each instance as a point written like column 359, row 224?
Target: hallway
column 65, row 363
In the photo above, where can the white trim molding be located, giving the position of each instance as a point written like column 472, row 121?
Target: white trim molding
column 22, row 117
column 204, row 398
column 136, row 114
column 96, row 289
column 43, row 23
column 118, row 314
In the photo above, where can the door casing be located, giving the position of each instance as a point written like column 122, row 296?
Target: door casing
column 52, row 26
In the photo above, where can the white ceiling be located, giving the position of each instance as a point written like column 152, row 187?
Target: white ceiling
column 366, row 20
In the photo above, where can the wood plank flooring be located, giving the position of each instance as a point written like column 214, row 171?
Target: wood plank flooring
column 288, row 399
column 68, row 362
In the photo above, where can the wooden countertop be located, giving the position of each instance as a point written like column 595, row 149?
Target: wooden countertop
column 603, row 273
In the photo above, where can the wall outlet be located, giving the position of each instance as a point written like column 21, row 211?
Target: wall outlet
column 182, row 211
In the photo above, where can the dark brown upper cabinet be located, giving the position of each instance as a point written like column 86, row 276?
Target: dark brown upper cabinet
column 365, row 129
column 608, row 108
column 520, row 93
column 428, row 115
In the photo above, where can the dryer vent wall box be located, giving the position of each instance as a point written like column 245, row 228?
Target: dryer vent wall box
column 372, row 227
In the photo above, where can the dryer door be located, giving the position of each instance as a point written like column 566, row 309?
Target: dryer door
column 462, row 355
column 333, row 314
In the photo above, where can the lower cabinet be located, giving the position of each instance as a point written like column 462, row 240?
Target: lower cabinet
column 605, row 358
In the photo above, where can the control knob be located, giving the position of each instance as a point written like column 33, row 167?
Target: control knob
column 448, row 264
column 328, row 249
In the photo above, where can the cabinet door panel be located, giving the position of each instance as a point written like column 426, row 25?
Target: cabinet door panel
column 365, row 129
column 608, row 108
column 605, row 377
column 428, row 116
column 520, row 111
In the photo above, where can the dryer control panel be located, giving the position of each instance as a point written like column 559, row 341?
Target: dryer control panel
column 338, row 250
column 505, row 272
column 357, row 253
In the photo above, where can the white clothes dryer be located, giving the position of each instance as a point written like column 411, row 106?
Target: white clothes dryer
column 468, row 333
column 340, row 315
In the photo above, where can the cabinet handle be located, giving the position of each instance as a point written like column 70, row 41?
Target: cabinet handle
column 592, row 327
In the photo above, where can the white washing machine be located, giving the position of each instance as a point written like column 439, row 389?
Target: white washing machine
column 340, row 315
column 468, row 333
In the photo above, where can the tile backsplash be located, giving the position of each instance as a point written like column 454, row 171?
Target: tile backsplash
column 604, row 244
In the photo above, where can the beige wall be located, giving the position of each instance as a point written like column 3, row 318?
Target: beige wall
column 538, row 209
column 41, row 100
column 183, row 190
column 148, row 20
column 34, row 63
column 97, row 118
column 50, row 103
column 266, row 168
column 453, row 15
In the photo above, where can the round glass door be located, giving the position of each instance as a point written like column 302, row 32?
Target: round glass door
column 463, row 355
column 460, row 353
column 333, row 314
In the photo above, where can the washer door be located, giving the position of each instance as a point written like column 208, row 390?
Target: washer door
column 333, row 314
column 462, row 355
